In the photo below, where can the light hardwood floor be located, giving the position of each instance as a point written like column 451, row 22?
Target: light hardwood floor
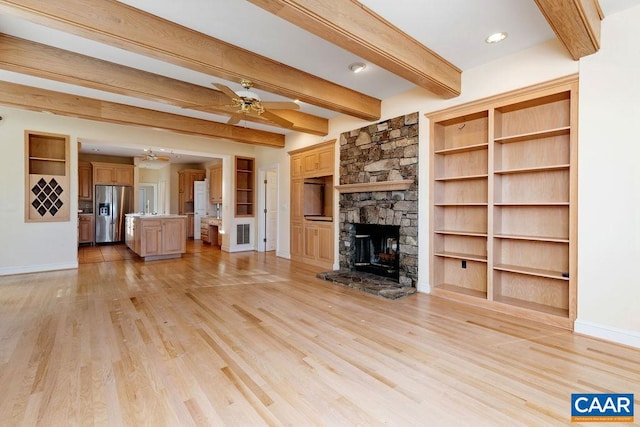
column 249, row 339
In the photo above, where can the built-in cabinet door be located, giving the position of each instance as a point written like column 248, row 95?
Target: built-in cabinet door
column 215, row 185
column 297, row 193
column 325, row 161
column 123, row 175
column 296, row 166
column 103, row 175
column 325, row 242
column 85, row 229
column 85, row 180
column 152, row 238
column 310, row 241
column 297, row 239
column 173, row 236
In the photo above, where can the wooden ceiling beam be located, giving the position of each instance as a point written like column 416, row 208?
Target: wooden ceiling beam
column 352, row 26
column 125, row 27
column 38, row 99
column 576, row 23
column 35, row 59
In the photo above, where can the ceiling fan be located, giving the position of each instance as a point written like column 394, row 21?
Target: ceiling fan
column 244, row 102
column 150, row 160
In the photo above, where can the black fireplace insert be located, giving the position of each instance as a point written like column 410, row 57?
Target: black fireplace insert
column 377, row 249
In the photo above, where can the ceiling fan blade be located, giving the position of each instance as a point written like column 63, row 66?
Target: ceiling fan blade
column 235, row 119
column 276, row 119
column 225, row 89
column 280, row 105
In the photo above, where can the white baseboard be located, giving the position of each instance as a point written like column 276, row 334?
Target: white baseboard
column 7, row 271
column 286, row 255
column 620, row 336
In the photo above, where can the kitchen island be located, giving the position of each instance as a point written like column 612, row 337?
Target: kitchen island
column 155, row 237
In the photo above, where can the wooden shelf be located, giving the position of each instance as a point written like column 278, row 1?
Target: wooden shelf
column 460, row 233
column 457, row 255
column 444, row 204
column 542, row 204
column 462, row 178
column 531, row 238
column 532, row 169
column 542, row 308
column 464, row 149
column 461, row 290
column 244, row 186
column 530, row 271
column 548, row 133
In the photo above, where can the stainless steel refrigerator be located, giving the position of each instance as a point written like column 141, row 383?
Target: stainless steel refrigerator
column 112, row 202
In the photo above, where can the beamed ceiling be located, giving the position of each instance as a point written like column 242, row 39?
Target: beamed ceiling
column 153, row 62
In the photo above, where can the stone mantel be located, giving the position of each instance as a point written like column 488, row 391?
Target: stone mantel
column 367, row 187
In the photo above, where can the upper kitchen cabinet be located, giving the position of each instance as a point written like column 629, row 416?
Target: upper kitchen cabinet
column 186, row 178
column 85, row 181
column 46, row 177
column 215, row 185
column 112, row 174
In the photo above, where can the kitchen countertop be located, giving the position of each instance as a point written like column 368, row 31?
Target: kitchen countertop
column 142, row 215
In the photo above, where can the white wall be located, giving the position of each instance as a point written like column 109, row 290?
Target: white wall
column 28, row 247
column 609, row 184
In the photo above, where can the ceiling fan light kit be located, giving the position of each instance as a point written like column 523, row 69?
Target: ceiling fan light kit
column 245, row 102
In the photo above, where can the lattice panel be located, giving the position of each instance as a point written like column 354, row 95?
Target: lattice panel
column 48, row 198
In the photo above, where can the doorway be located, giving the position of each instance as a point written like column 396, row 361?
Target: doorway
column 268, row 211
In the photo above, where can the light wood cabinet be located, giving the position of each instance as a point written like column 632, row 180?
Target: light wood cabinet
column 244, row 186
column 47, row 191
column 112, row 174
column 318, row 242
column 85, row 228
column 318, row 162
column 186, row 178
column 503, row 219
column 156, row 237
column 312, row 242
column 215, row 183
column 85, row 181
column 190, row 223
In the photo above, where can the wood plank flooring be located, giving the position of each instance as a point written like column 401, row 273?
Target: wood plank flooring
column 248, row 339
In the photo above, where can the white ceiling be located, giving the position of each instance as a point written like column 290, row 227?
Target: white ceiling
column 454, row 29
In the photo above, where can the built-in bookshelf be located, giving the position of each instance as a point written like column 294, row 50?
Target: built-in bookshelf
column 503, row 223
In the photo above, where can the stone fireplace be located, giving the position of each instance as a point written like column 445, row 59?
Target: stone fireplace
column 379, row 187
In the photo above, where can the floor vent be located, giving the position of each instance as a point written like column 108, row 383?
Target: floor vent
column 243, row 237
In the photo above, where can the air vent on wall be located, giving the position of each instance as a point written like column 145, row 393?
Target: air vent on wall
column 242, row 233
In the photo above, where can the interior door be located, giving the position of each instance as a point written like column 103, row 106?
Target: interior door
column 200, row 197
column 271, row 210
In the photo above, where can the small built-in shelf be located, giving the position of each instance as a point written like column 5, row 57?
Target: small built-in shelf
column 532, row 204
column 462, row 177
column 460, row 204
column 542, row 308
column 532, row 238
column 367, row 187
column 459, row 255
column 463, row 149
column 461, row 290
column 533, row 169
column 460, row 233
column 549, row 133
column 531, row 271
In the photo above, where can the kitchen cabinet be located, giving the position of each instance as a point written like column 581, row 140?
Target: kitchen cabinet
column 186, row 177
column 504, row 203
column 156, row 237
column 190, row 221
column 47, row 182
column 112, row 174
column 215, row 183
column 210, row 231
column 85, row 228
column 85, row 181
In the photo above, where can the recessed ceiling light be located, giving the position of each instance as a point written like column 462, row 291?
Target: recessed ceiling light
column 356, row 67
column 496, row 37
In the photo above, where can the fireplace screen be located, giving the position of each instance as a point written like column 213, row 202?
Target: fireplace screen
column 377, row 249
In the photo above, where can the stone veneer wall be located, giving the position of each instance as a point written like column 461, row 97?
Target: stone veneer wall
column 385, row 151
